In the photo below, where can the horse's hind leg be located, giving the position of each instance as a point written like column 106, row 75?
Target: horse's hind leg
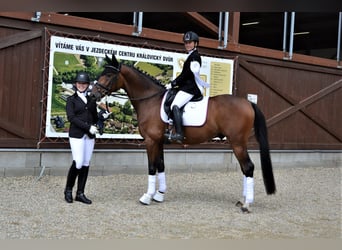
column 247, row 168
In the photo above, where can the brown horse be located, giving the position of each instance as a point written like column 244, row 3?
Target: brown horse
column 227, row 115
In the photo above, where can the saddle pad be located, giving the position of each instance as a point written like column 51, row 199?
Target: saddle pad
column 195, row 113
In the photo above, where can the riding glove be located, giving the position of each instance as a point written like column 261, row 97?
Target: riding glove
column 106, row 114
column 93, row 130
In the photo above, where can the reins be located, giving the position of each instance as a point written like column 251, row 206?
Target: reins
column 139, row 98
column 114, row 79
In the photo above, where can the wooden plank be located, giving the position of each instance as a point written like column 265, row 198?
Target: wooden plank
column 295, row 106
column 19, row 38
column 122, row 29
column 203, row 22
column 305, row 102
column 234, row 27
column 252, row 70
column 17, row 143
column 14, row 129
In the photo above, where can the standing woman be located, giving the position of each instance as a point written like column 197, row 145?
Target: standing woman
column 82, row 115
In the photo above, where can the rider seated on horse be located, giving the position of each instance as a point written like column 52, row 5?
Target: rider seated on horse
column 188, row 84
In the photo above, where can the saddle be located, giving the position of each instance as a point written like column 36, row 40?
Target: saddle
column 194, row 112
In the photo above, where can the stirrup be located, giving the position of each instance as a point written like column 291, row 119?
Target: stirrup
column 168, row 134
column 177, row 137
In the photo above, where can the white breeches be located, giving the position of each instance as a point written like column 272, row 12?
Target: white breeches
column 181, row 99
column 82, row 150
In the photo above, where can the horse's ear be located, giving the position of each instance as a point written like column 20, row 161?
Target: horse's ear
column 115, row 62
column 107, row 59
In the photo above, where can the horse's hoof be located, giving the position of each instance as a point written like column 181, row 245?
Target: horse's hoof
column 239, row 204
column 158, row 197
column 245, row 210
column 145, row 199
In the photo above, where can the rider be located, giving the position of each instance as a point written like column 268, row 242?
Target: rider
column 188, row 83
column 82, row 114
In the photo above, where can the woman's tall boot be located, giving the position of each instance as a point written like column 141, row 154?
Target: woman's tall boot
column 71, row 178
column 177, row 120
column 81, row 182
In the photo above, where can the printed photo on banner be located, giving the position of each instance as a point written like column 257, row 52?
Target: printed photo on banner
column 69, row 56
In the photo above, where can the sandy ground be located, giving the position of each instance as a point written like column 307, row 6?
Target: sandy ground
column 197, row 206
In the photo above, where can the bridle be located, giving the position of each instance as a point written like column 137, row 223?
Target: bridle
column 106, row 90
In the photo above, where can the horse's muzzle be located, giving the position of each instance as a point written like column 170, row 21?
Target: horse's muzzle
column 95, row 96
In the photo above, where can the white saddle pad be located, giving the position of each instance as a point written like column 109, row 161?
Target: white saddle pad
column 195, row 113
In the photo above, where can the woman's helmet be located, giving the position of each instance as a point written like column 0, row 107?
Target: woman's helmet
column 82, row 77
column 190, row 36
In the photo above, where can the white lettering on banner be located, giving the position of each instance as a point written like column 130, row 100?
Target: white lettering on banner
column 126, row 53
column 147, row 56
column 103, row 51
column 167, row 59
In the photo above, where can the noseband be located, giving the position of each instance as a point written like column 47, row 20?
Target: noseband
column 106, row 90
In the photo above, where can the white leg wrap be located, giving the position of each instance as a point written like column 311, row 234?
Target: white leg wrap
column 151, row 184
column 147, row 197
column 159, row 195
column 249, row 190
column 162, row 182
column 244, row 186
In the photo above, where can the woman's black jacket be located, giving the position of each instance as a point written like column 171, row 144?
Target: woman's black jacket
column 186, row 80
column 81, row 116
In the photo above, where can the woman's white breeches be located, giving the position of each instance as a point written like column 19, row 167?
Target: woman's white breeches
column 82, row 150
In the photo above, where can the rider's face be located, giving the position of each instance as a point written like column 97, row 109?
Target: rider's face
column 82, row 86
column 189, row 45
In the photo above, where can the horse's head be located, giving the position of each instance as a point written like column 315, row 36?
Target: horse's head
column 108, row 81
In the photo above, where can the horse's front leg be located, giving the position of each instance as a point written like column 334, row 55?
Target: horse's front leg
column 155, row 163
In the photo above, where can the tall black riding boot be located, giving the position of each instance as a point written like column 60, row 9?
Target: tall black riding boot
column 177, row 120
column 71, row 178
column 82, row 180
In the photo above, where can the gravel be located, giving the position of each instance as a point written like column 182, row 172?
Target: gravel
column 198, row 205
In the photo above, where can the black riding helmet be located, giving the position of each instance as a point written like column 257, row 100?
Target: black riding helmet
column 191, row 36
column 82, row 77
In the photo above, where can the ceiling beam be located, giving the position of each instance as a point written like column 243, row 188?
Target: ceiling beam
column 203, row 22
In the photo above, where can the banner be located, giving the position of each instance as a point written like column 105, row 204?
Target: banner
column 69, row 56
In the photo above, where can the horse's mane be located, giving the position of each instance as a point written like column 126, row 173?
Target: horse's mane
column 114, row 63
column 145, row 74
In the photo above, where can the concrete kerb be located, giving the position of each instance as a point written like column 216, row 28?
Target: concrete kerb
column 37, row 162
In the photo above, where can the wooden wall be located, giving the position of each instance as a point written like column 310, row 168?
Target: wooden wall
column 301, row 101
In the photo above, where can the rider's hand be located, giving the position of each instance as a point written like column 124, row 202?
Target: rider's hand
column 93, row 130
column 106, row 114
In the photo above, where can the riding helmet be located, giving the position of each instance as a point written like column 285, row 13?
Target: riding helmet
column 190, row 36
column 82, row 77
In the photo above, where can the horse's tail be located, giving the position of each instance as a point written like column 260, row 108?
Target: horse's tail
column 260, row 130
